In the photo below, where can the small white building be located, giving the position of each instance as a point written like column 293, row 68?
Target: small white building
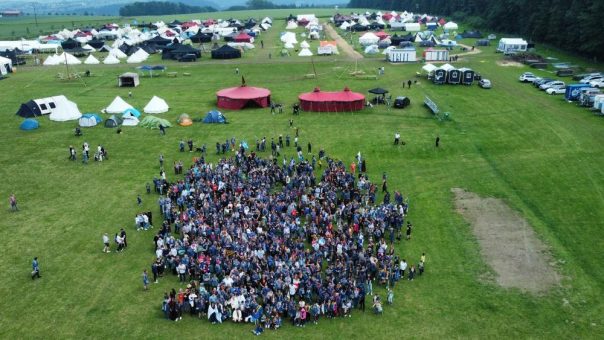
column 412, row 27
column 402, row 55
column 436, row 55
column 512, row 45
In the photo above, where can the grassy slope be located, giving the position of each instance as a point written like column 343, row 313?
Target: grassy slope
column 540, row 154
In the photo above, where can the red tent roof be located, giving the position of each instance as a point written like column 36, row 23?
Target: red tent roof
column 243, row 37
column 382, row 35
column 340, row 96
column 243, row 92
column 442, row 21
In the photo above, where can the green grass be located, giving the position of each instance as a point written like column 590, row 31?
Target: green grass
column 543, row 156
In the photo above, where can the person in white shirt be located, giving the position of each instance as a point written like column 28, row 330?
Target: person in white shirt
column 182, row 272
column 403, row 267
column 106, row 243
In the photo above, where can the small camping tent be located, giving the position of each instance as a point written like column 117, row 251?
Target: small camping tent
column 88, row 120
column 305, row 52
column 118, row 105
column 156, row 105
column 111, row 60
column 113, row 121
column 128, row 79
column 184, row 120
column 131, row 112
column 215, row 117
column 29, row 124
column 152, row 122
column 91, row 60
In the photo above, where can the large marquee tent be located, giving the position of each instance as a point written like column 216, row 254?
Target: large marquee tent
column 342, row 101
column 237, row 98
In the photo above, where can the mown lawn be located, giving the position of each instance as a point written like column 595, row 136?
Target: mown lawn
column 543, row 156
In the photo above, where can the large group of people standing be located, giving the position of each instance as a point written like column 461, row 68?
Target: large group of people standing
column 255, row 241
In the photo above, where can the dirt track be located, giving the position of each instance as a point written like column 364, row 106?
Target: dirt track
column 343, row 46
column 508, row 243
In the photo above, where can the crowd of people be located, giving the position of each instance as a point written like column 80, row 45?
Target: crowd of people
column 267, row 243
column 99, row 155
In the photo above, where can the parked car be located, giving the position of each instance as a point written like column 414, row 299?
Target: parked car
column 591, row 78
column 567, row 72
column 527, row 77
column 583, row 75
column 551, row 84
column 485, row 83
column 556, row 90
column 541, row 81
column 188, row 57
column 597, row 83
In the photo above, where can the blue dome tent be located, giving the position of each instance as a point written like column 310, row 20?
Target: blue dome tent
column 131, row 112
column 215, row 117
column 29, row 124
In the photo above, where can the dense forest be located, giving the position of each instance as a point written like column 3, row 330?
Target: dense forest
column 161, row 8
column 572, row 25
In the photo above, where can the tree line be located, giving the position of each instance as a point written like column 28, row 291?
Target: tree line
column 571, row 25
column 161, row 8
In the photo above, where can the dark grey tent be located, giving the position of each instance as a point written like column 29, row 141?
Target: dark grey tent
column 70, row 44
column 401, row 102
column 159, row 41
column 113, row 121
column 180, row 51
column 378, row 90
column 471, row 34
column 358, row 28
column 226, row 52
column 29, row 109
column 201, row 37
column 96, row 43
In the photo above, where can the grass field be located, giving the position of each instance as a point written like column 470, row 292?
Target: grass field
column 540, row 154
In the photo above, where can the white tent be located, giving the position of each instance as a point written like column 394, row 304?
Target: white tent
column 129, row 120
column 288, row 45
column 368, row 39
column 156, row 105
column 344, row 26
column 87, row 121
column 450, row 26
column 61, row 109
column 118, row 53
column 372, row 49
column 429, row 67
column 51, row 60
column 138, row 57
column 447, row 67
column 69, row 59
column 118, row 105
column 305, row 52
column 5, row 65
column 91, row 60
column 412, row 27
column 291, row 25
column 304, row 44
column 89, row 48
column 289, row 37
column 110, row 60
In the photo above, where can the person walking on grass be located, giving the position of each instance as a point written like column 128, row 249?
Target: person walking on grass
column 437, row 142
column 409, row 83
column 139, row 200
column 12, row 200
column 106, row 243
column 145, row 279
column 35, row 266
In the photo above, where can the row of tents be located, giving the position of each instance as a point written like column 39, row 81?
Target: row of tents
column 448, row 74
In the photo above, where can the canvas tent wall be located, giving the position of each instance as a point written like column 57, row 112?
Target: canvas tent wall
column 342, row 101
column 156, row 105
column 118, row 105
column 91, row 60
column 6, row 65
column 111, row 60
column 412, row 27
column 128, row 79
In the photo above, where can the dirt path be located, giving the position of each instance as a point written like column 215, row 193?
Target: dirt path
column 508, row 243
column 470, row 52
column 343, row 46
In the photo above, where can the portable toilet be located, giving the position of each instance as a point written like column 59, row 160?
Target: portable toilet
column 467, row 76
column 440, row 76
column 454, row 76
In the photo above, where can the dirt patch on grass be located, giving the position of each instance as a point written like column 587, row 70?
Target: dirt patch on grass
column 343, row 46
column 508, row 243
column 509, row 63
